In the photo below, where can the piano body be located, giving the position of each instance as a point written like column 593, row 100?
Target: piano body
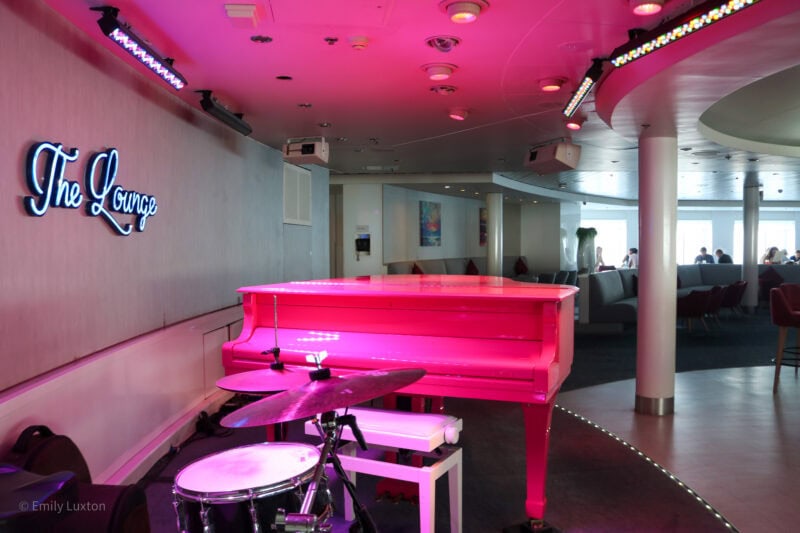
column 478, row 337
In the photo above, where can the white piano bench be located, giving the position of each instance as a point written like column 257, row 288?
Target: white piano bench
column 420, row 433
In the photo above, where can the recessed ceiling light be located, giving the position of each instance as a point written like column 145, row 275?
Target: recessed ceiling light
column 463, row 12
column 752, row 159
column 458, row 114
column 324, row 124
column 551, row 85
column 646, row 7
column 446, row 186
column 439, row 71
column 575, row 122
column 359, row 42
column 304, row 105
column 283, row 78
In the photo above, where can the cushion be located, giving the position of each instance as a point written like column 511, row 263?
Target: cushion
column 416, row 269
column 690, row 275
column 626, row 276
column 455, row 265
column 520, row 267
column 604, row 288
column 472, row 270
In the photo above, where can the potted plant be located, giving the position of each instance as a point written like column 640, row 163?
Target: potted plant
column 586, row 258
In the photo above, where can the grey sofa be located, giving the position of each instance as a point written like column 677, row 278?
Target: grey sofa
column 613, row 296
column 458, row 265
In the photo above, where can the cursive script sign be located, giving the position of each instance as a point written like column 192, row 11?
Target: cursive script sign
column 49, row 187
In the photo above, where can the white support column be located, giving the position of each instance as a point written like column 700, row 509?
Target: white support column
column 494, row 233
column 752, row 199
column 655, row 350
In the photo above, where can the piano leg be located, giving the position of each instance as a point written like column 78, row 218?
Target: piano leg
column 537, row 441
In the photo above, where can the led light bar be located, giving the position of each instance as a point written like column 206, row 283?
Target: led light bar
column 136, row 47
column 591, row 77
column 234, row 120
column 701, row 17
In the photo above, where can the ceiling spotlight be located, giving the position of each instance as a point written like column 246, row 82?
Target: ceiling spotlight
column 646, row 7
column 575, row 123
column 458, row 114
column 550, row 85
column 439, row 71
column 443, row 90
column 463, row 12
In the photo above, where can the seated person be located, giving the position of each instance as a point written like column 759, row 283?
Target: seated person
column 633, row 258
column 722, row 257
column 704, row 257
column 796, row 257
column 770, row 257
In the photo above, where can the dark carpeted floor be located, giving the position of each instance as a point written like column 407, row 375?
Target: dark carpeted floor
column 594, row 483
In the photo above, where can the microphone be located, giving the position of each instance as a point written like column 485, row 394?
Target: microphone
column 276, row 351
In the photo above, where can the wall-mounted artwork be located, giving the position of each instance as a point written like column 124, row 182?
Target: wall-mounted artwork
column 430, row 223
column 482, row 218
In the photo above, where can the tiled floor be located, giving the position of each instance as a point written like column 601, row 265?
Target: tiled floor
column 730, row 439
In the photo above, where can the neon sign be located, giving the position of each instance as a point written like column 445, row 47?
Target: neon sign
column 49, row 187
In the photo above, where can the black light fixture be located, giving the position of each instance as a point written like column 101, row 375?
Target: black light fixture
column 589, row 79
column 211, row 106
column 136, row 47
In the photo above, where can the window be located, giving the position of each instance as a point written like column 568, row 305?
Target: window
column 612, row 236
column 780, row 233
column 691, row 236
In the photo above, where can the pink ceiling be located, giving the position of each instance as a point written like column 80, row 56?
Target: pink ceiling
column 378, row 100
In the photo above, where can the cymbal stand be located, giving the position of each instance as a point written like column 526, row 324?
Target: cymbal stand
column 329, row 426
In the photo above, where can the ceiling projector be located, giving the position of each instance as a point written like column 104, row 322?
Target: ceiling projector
column 552, row 158
column 306, row 151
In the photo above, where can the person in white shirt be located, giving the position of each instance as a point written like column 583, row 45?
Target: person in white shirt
column 633, row 258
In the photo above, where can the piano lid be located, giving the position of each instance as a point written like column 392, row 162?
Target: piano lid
column 432, row 284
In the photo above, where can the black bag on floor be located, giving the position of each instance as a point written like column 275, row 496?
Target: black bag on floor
column 102, row 508
column 42, row 452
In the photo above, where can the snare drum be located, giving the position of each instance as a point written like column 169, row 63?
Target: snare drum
column 241, row 489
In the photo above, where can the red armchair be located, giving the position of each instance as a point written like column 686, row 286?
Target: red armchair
column 693, row 306
column 733, row 297
column 784, row 308
column 715, row 302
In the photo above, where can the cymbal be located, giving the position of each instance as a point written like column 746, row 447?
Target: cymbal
column 321, row 396
column 266, row 380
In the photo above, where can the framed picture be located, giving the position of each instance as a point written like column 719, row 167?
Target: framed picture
column 482, row 218
column 430, row 223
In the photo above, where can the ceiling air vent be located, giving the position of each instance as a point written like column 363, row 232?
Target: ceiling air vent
column 443, row 43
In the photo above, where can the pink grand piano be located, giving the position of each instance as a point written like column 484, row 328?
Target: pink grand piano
column 477, row 336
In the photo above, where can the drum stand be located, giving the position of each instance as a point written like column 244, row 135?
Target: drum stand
column 329, row 426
